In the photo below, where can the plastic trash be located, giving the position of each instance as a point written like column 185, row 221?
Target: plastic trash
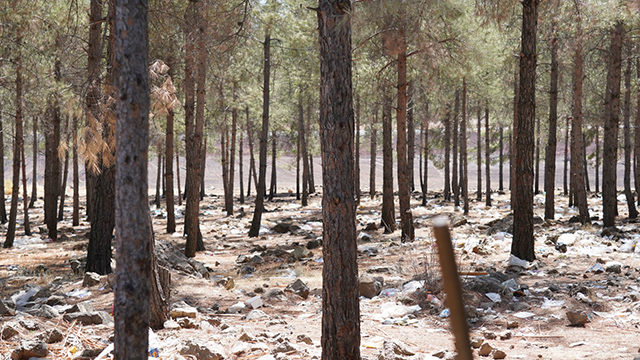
column 392, row 310
column 494, row 297
column 445, row 313
column 389, row 292
column 412, row 286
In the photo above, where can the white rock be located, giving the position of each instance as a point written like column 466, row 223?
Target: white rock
column 236, row 308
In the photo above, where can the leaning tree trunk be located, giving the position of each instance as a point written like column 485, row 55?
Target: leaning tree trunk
column 13, row 212
column 523, row 240
column 261, row 184
column 34, row 176
column 577, row 145
column 168, row 158
column 404, row 186
column 252, row 159
column 611, row 121
column 388, row 208
column 550, row 151
column 633, row 213
column 340, row 308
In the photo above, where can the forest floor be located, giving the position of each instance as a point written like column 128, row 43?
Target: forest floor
column 578, row 268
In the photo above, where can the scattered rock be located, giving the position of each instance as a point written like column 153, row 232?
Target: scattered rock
column 256, row 315
column 91, row 279
column 300, row 253
column 512, row 324
column 240, row 348
column 255, row 302
column 368, row 250
column 283, row 347
column 89, row 318
column 187, row 323
column 577, row 318
column 372, row 226
column 81, row 307
column 501, row 225
column 28, row 324
column 457, row 220
column 490, row 335
column 48, row 312
column 283, row 228
column 184, row 311
column 491, row 283
column 499, row 354
column 614, row 268
column 314, row 244
column 23, row 297
column 275, row 293
column 506, row 335
column 370, row 286
column 364, row 237
column 236, row 308
column 561, row 247
column 299, row 288
column 52, row 336
column 485, row 349
column 8, row 331
column 304, row 339
column 54, row 300
column 476, row 342
column 247, row 338
column 596, row 269
column 203, row 350
column 5, row 310
column 29, row 349
column 171, row 325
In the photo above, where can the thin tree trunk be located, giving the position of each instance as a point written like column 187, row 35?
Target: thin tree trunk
column 536, row 183
column 411, row 137
column 388, row 208
column 550, row 151
column 203, row 168
column 312, row 178
column 514, row 135
column 566, row 156
column 252, row 160
column 52, row 165
column 241, row 165
column 479, row 153
column 3, row 209
column 501, row 160
column 612, row 119
column 455, row 181
column 636, row 151
column 425, row 180
column 487, row 156
column 232, row 149
column 357, row 151
column 597, row 164
column 178, row 177
column 25, row 196
column 633, row 213
column 76, row 176
column 261, row 185
column 158, row 177
column 298, row 150
column 577, row 146
column 464, row 183
column 273, row 186
column 303, row 155
column 373, row 152
column 34, row 176
column 447, row 154
column 65, row 172
column 522, row 245
column 13, row 212
column 340, row 306
column 404, row 186
column 168, row 160
column 584, row 160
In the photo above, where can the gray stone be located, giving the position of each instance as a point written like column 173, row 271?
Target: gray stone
column 369, row 286
column 299, row 288
column 89, row 318
column 55, row 300
column 300, row 253
column 29, row 349
column 46, row 311
column 577, row 318
column 28, row 324
column 187, row 323
column 91, row 279
column 171, row 325
column 8, row 331
column 275, row 293
column 284, row 347
column 5, row 310
column 203, row 350
column 23, row 297
column 614, row 268
column 368, row 250
column 81, row 307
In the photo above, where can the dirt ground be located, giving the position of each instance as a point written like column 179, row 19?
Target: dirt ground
column 240, row 268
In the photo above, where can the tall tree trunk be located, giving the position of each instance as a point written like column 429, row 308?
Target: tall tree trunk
column 3, row 209
column 252, row 160
column 203, row 168
column 425, row 182
column 633, row 213
column 34, row 176
column 303, row 148
column 447, row 154
column 464, row 183
column 273, row 186
column 536, row 183
column 340, row 308
column 241, row 165
column 224, row 162
column 455, row 137
column 566, row 156
column 312, row 179
column 487, row 156
column 261, row 185
column 373, row 153
column 52, row 163
column 76, row 177
column 25, row 196
column 13, row 211
column 611, row 121
column 577, row 146
column 388, row 208
column 404, row 186
column 636, row 151
column 523, row 240
column 298, row 150
column 514, row 135
column 479, row 153
column 550, row 151
column 357, row 151
column 411, row 137
column 168, row 160
column 232, row 149
column 584, row 161
column 65, row 171
column 597, row 165
column 178, row 177
column 501, row 160
column 194, row 123
column 159, row 178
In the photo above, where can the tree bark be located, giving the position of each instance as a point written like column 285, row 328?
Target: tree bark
column 388, row 208
column 252, row 160
column 232, row 150
column 159, row 178
column 168, row 158
column 633, row 213
column 577, row 146
column 536, row 183
column 273, row 185
column 566, row 157
column 550, row 151
column 3, row 209
column 612, row 119
column 373, row 154
column 203, row 169
column 404, row 194
column 261, row 185
column 13, row 211
column 357, row 151
column 411, row 138
column 65, row 172
column 464, row 184
column 303, row 155
column 178, row 177
column 52, row 163
column 597, row 164
column 76, row 177
column 425, row 174
column 447, row 154
column 241, row 165
column 479, row 153
column 340, row 308
column 455, row 181
column 584, row 162
column 34, row 176
column 501, row 160
column 25, row 196
column 523, row 240
column 636, row 151
column 487, row 156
